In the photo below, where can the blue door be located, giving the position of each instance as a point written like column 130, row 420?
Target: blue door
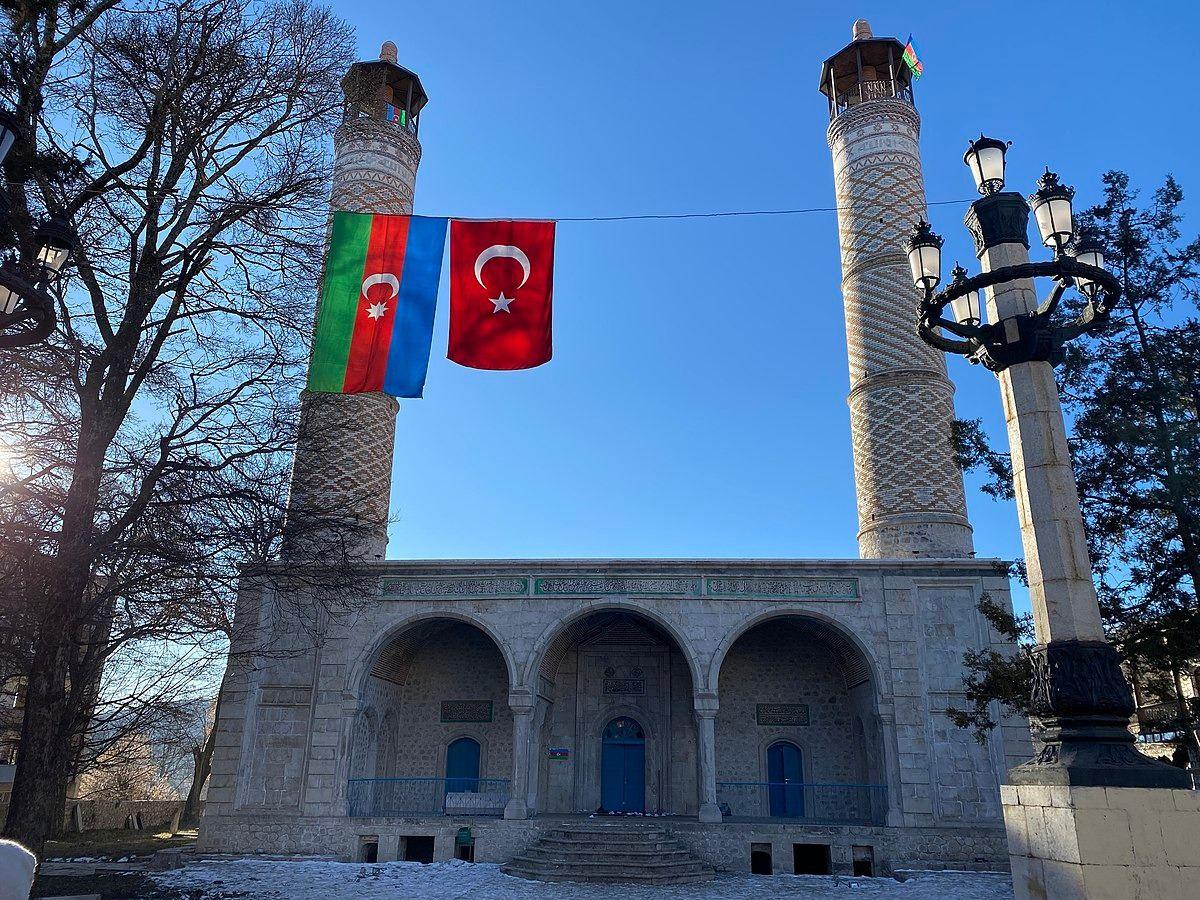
column 623, row 767
column 462, row 766
column 785, row 775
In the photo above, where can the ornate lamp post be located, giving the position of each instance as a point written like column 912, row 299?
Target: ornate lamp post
column 27, row 312
column 1080, row 698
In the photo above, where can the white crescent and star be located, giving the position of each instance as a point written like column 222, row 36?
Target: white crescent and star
column 379, row 310
column 506, row 251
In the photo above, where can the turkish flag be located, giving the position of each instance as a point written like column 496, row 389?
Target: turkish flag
column 501, row 280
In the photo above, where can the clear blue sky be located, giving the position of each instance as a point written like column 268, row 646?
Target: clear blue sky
column 696, row 402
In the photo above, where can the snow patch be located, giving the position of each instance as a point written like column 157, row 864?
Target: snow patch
column 456, row 879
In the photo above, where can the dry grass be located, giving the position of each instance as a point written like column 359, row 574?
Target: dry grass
column 116, row 843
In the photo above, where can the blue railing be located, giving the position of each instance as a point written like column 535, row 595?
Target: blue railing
column 817, row 804
column 367, row 797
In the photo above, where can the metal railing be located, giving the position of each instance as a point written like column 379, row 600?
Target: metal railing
column 1166, row 715
column 369, row 797
column 818, row 804
column 866, row 91
column 398, row 118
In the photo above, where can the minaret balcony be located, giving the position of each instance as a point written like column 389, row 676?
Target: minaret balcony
column 869, row 91
column 397, row 116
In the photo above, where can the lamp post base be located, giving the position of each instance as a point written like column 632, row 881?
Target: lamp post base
column 1084, row 704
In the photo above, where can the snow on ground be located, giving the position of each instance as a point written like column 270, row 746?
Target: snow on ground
column 456, row 880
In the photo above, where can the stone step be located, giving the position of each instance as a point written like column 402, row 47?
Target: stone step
column 565, row 843
column 608, row 836
column 610, row 867
column 584, row 854
column 625, row 878
column 603, row 853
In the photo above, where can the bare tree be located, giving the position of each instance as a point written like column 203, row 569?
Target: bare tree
column 187, row 140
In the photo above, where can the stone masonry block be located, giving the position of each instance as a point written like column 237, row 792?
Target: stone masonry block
column 1109, row 883
column 1179, row 835
column 1186, row 801
column 1104, row 837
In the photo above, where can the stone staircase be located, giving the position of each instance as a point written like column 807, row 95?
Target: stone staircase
column 603, row 853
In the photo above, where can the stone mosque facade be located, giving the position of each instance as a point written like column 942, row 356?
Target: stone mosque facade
column 755, row 705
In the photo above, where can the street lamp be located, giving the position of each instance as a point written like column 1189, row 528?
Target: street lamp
column 1052, row 208
column 985, row 159
column 27, row 312
column 1081, row 701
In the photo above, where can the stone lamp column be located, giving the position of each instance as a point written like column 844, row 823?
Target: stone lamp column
column 342, row 473
column 1081, row 696
column 1080, row 820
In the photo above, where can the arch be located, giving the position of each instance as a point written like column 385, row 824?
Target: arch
column 843, row 643
column 368, row 659
column 559, row 637
column 619, row 728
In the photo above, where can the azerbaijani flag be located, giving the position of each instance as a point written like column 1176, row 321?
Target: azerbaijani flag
column 910, row 59
column 377, row 302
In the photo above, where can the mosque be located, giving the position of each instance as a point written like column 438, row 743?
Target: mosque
column 746, row 714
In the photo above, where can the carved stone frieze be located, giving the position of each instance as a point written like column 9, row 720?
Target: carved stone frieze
column 781, row 714
column 466, row 711
column 784, row 587
column 666, row 585
column 409, row 588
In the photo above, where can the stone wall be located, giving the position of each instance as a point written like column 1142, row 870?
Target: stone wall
column 285, row 738
column 725, row 847
column 90, row 815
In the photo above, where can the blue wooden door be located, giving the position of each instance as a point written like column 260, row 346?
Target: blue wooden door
column 785, row 774
column 623, row 767
column 462, row 766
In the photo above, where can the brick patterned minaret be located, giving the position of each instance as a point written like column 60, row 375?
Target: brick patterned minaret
column 910, row 493
column 344, row 452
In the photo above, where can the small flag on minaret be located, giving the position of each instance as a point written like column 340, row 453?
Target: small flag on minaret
column 911, row 60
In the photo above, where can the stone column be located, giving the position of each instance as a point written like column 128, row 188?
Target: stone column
column 342, row 474
column 1052, row 535
column 910, row 492
column 706, row 758
column 1081, row 698
column 522, row 709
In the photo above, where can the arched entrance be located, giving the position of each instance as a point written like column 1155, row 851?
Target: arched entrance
column 623, row 767
column 433, row 731
column 604, row 678
column 797, row 733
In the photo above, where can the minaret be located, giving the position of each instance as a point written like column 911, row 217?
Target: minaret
column 343, row 464
column 910, row 492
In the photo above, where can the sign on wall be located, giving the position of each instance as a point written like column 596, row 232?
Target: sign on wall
column 781, row 713
column 558, row 753
column 466, row 711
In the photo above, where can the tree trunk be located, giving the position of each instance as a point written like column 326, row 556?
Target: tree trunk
column 53, row 718
column 1191, row 743
column 43, row 770
column 203, row 756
